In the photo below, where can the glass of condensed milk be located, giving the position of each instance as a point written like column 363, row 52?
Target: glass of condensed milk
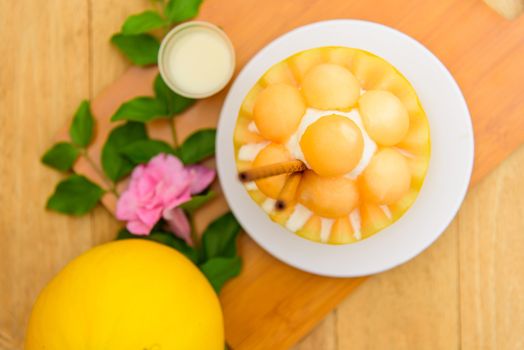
column 196, row 59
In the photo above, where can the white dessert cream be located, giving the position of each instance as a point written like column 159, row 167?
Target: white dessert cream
column 196, row 59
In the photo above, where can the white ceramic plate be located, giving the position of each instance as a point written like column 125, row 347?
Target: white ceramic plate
column 449, row 169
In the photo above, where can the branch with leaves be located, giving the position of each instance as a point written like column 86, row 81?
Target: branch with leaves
column 75, row 195
column 136, row 40
column 128, row 146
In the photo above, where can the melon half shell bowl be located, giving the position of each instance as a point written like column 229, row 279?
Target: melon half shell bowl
column 358, row 126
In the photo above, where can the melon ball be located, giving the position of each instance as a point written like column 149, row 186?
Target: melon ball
column 277, row 112
column 271, row 154
column 332, row 145
column 330, row 197
column 384, row 116
column 387, row 177
column 330, row 86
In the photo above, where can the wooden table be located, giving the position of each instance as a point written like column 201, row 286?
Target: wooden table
column 466, row 291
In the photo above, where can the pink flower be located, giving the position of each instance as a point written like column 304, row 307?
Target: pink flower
column 155, row 191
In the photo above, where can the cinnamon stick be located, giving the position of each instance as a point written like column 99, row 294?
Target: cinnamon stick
column 288, row 167
column 288, row 192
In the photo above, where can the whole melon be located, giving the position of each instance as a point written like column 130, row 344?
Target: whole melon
column 128, row 294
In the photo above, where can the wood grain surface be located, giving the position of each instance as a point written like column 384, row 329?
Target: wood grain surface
column 510, row 9
column 459, row 293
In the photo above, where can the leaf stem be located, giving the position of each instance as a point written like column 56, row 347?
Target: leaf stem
column 110, row 186
column 173, row 132
column 194, row 235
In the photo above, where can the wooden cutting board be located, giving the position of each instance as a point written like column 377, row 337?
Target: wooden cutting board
column 271, row 305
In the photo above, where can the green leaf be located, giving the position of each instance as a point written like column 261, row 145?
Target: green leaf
column 197, row 201
column 174, row 103
column 141, row 109
column 125, row 234
column 115, row 165
column 174, row 242
column 198, row 146
column 141, row 49
column 143, row 22
column 182, row 10
column 142, row 151
column 219, row 270
column 75, row 195
column 61, row 156
column 81, row 129
column 219, row 238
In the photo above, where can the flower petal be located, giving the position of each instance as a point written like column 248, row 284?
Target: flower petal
column 201, row 177
column 179, row 224
column 176, row 201
column 157, row 187
column 137, row 227
column 149, row 216
column 145, row 187
column 166, row 163
column 170, row 178
column 137, row 172
column 126, row 206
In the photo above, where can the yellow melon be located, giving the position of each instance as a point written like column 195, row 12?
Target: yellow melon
column 129, row 294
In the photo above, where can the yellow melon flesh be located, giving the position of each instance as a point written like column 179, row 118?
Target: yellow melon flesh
column 257, row 196
column 330, row 197
column 370, row 70
column 384, row 116
column 271, row 154
column 277, row 112
column 387, row 177
column 341, row 232
column 416, row 140
column 249, row 101
column 280, row 73
column 243, row 165
column 399, row 207
column 418, row 166
column 311, row 230
column 281, row 216
column 342, row 56
column 302, row 62
column 372, row 218
column 242, row 134
column 400, row 87
column 330, row 86
column 332, row 145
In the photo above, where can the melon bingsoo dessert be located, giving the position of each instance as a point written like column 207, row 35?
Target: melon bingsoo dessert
column 357, row 126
